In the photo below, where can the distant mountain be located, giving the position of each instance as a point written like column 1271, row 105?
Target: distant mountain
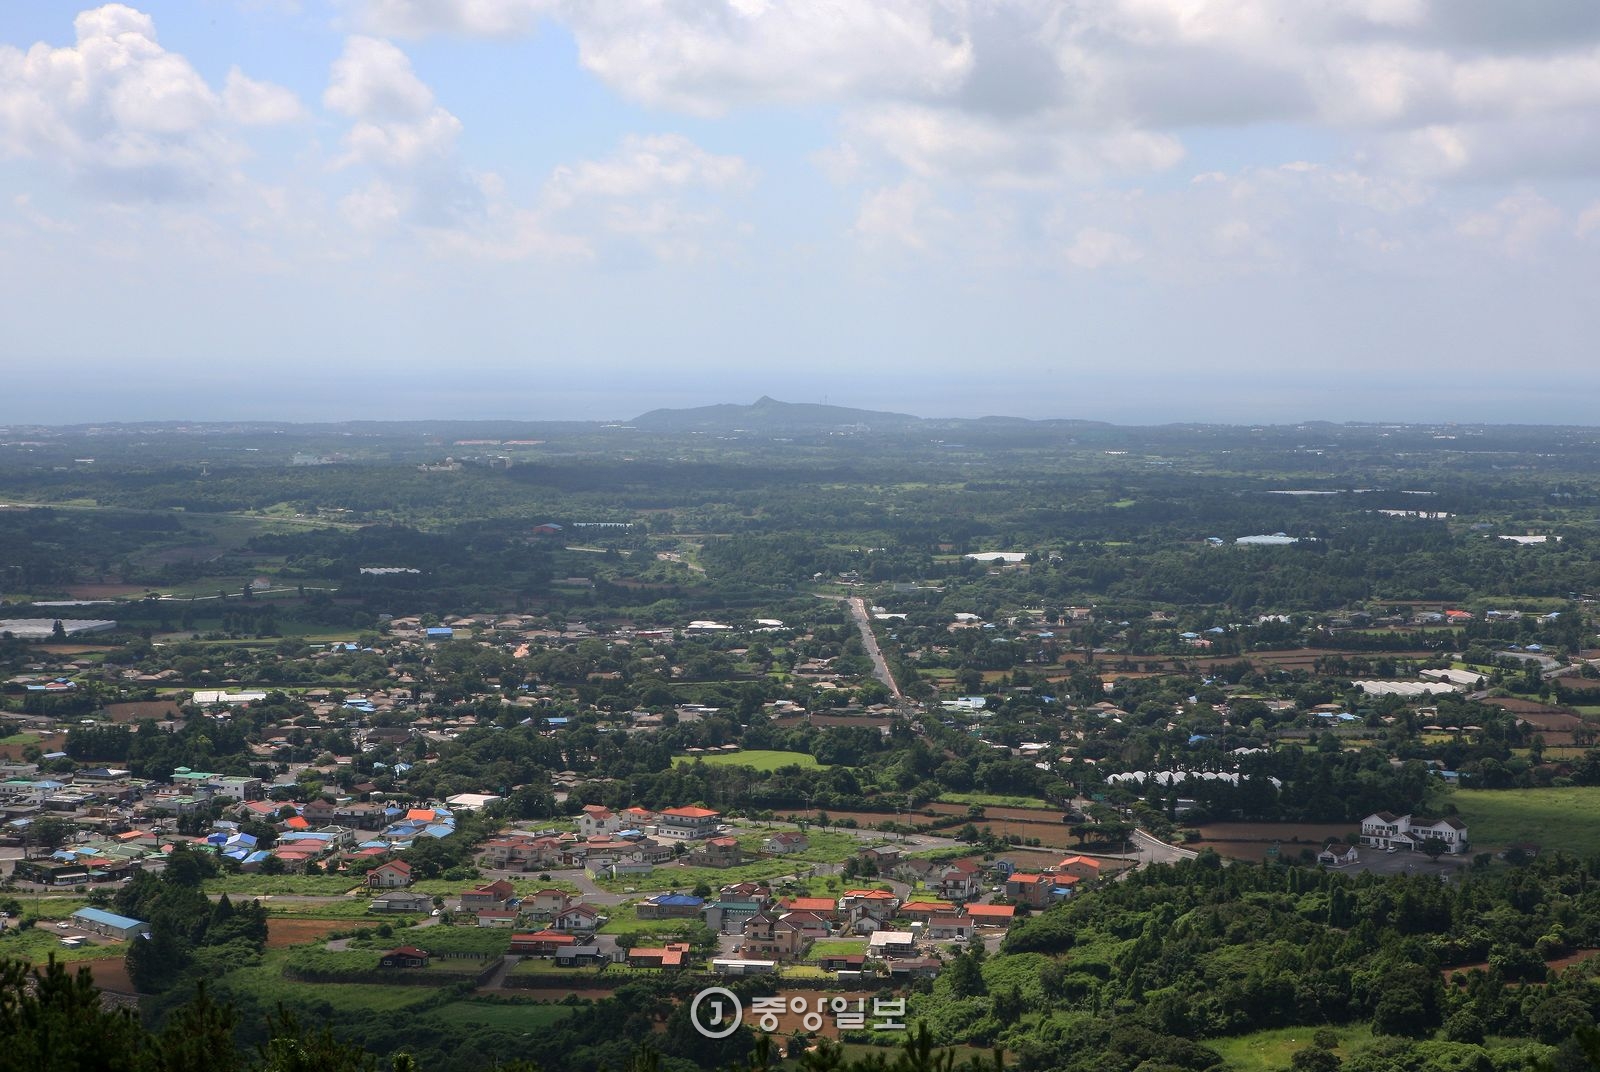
column 770, row 415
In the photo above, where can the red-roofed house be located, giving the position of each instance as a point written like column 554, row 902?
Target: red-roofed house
column 594, row 820
column 394, row 875
column 580, row 917
column 959, row 881
column 540, row 943
column 407, row 956
column 492, row 896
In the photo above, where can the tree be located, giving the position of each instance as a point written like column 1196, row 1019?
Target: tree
column 1434, row 847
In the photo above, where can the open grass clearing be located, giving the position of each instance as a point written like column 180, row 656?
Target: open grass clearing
column 1270, row 1051
column 1496, row 818
column 759, row 759
column 992, row 800
column 284, row 885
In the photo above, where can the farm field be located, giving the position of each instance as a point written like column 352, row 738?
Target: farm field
column 1250, row 841
column 759, row 759
column 1496, row 818
column 284, row 931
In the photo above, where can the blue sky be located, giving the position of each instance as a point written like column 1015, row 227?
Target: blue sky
column 1134, row 210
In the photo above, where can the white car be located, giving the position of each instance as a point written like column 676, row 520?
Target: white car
column 63, row 926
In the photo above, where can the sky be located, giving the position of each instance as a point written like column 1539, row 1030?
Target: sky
column 1140, row 211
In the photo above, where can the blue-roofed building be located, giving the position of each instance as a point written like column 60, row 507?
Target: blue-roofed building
column 439, row 830
column 441, row 633
column 109, row 924
column 670, row 906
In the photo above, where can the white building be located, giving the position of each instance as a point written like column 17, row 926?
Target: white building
column 1382, row 830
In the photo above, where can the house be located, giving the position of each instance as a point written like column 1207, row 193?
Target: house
column 1031, row 890
column 729, row 916
column 540, row 943
column 884, row 859
column 401, row 902
column 493, row 895
column 950, row 928
column 1082, row 868
column 579, row 917
column 637, row 818
column 597, row 820
column 546, row 903
column 1382, row 830
column 822, row 906
column 407, row 956
column 1337, row 854
column 521, row 852
column 394, row 875
column 672, row 955
column 717, row 852
column 786, row 842
column 959, row 881
column 811, row 924
column 670, row 906
column 687, row 824
column 914, row 968
column 575, row 956
column 992, row 915
column 880, row 905
column 926, row 910
column 496, row 917
column 885, row 944
column 765, row 933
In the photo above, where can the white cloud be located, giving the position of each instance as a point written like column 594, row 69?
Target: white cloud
column 256, row 103
column 1095, row 248
column 116, row 110
column 907, row 215
column 482, row 18
column 1518, row 224
column 646, row 164
column 398, row 125
column 373, row 79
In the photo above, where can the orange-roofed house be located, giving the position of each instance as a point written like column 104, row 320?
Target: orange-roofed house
column 296, row 822
column 992, row 915
column 1031, row 890
column 421, row 815
column 1083, row 868
column 822, row 906
column 686, row 824
column 927, row 909
column 672, row 955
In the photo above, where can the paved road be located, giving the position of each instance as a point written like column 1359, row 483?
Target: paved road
column 1149, row 849
column 880, row 668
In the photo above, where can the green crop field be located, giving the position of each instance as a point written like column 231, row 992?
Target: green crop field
column 759, row 759
column 686, row 878
column 1496, row 818
column 290, row 885
column 990, row 800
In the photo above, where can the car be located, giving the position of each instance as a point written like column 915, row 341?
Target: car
column 63, row 926
column 1392, row 849
column 436, row 912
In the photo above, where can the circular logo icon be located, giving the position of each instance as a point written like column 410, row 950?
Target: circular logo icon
column 716, row 1012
